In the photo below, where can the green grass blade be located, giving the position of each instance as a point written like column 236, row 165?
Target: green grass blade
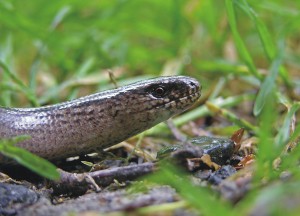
column 14, row 20
column 296, row 133
column 244, row 53
column 6, row 55
column 265, row 38
column 42, row 48
column 27, row 159
column 202, row 199
column 266, row 152
column 230, row 116
column 82, row 71
column 284, row 132
column 268, row 85
column 31, row 97
column 290, row 161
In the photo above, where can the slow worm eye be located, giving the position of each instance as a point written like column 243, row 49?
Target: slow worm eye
column 158, row 92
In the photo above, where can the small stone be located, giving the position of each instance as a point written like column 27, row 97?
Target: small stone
column 15, row 197
column 217, row 177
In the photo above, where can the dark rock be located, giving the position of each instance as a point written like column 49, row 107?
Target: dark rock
column 235, row 190
column 217, row 177
column 203, row 174
column 15, row 197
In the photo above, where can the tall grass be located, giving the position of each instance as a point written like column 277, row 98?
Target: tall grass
column 243, row 52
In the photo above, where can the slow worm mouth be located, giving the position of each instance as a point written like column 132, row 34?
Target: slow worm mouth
column 192, row 98
column 184, row 102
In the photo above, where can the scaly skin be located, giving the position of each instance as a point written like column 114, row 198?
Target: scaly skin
column 99, row 120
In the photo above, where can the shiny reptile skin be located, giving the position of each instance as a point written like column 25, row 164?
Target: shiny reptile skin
column 99, row 120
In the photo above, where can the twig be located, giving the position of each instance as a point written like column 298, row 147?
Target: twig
column 79, row 183
column 176, row 133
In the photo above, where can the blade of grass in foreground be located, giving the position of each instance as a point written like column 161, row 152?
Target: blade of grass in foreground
column 27, row 159
column 200, row 198
column 272, row 199
column 266, row 153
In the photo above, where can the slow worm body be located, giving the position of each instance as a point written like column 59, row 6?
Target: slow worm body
column 99, row 120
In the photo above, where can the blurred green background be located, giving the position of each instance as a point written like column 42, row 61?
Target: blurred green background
column 54, row 46
column 246, row 54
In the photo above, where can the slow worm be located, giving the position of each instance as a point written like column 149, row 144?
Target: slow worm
column 98, row 120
